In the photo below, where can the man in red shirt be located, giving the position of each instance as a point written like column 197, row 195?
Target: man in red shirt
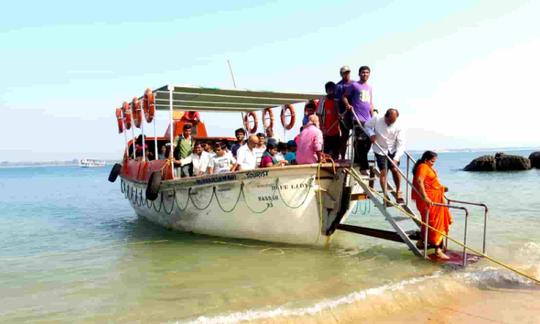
column 329, row 119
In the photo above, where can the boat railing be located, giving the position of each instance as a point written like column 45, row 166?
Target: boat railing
column 410, row 187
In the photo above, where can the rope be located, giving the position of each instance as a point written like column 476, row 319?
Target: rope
column 504, row 265
column 209, row 202
column 236, row 202
column 177, row 204
column 160, row 205
column 165, row 209
column 247, row 205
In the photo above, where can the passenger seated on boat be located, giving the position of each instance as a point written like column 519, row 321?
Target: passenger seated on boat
column 246, row 158
column 240, row 135
column 261, row 147
column 270, row 134
column 225, row 147
column 310, row 142
column 291, row 152
column 183, row 147
column 268, row 159
column 200, row 160
column 281, row 151
column 222, row 162
column 309, row 110
column 164, row 151
column 208, row 148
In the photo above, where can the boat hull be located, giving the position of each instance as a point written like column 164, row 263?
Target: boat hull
column 282, row 205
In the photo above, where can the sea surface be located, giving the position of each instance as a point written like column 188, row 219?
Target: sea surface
column 73, row 250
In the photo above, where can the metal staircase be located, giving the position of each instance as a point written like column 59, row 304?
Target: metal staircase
column 408, row 217
column 396, row 222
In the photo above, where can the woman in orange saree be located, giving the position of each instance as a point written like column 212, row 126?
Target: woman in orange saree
column 429, row 190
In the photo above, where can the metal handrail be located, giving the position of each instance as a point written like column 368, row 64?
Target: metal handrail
column 409, row 183
column 486, row 209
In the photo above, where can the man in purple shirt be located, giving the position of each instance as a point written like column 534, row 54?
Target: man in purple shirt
column 310, row 142
column 358, row 98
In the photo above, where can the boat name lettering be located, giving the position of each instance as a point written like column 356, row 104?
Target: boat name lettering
column 256, row 174
column 293, row 186
column 226, row 177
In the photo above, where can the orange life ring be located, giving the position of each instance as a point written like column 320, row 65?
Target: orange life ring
column 127, row 114
column 290, row 108
column 136, row 112
column 268, row 114
column 149, row 105
column 119, row 120
column 255, row 122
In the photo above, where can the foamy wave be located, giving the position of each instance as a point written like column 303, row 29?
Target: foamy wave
column 283, row 311
column 530, row 250
column 500, row 278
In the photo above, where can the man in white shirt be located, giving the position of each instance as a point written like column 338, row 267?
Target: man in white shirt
column 388, row 136
column 246, row 158
column 200, row 160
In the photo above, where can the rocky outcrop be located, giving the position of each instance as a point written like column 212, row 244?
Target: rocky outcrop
column 535, row 159
column 499, row 162
column 483, row 163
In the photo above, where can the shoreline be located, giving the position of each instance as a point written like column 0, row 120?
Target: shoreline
column 473, row 305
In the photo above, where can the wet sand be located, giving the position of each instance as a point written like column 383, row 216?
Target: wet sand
column 471, row 306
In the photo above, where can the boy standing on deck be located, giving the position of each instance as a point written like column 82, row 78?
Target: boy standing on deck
column 329, row 119
column 183, row 148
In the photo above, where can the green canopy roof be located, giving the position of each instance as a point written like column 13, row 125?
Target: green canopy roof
column 213, row 99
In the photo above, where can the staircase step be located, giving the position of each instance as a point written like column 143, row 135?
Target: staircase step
column 400, row 219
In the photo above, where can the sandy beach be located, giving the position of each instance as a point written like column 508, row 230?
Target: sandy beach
column 454, row 304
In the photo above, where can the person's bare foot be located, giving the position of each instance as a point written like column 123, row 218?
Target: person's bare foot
column 420, row 244
column 440, row 254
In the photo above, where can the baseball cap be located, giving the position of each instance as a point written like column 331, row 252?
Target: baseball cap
column 345, row 68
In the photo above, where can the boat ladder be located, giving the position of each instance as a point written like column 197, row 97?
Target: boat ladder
column 406, row 216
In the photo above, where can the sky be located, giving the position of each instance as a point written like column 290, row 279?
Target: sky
column 463, row 74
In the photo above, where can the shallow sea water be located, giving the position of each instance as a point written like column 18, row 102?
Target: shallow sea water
column 72, row 249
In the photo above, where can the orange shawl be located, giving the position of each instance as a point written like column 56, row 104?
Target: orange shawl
column 439, row 217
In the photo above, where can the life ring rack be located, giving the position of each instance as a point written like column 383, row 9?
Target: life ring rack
column 255, row 122
column 127, row 114
column 268, row 115
column 149, row 105
column 120, row 120
column 292, row 114
column 136, row 112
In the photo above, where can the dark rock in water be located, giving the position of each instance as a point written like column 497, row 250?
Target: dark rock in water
column 483, row 163
column 511, row 162
column 499, row 162
column 535, row 159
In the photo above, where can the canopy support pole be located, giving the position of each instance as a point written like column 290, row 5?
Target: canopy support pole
column 171, row 127
column 125, row 134
column 156, row 156
column 143, row 139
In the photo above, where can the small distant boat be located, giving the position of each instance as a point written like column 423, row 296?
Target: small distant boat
column 91, row 163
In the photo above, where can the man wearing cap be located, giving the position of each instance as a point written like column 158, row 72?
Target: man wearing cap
column 346, row 118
